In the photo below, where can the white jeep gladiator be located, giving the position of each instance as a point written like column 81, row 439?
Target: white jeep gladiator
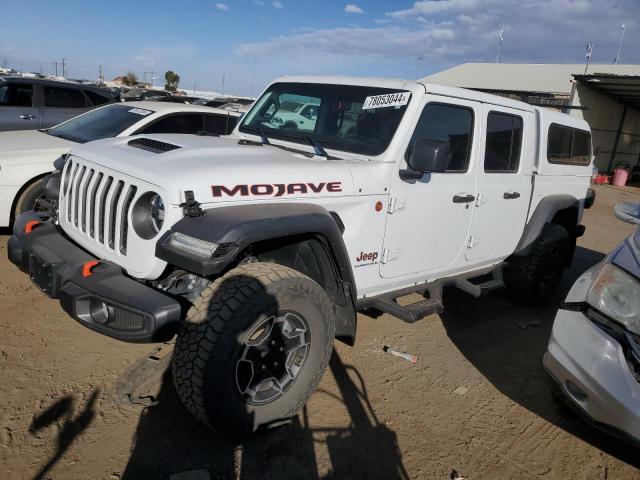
column 258, row 249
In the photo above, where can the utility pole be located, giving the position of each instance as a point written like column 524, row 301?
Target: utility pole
column 617, row 59
column 64, row 72
column 100, row 79
column 152, row 78
column 418, row 64
column 56, row 64
column 500, row 39
column 223, row 74
column 588, row 57
column 194, row 88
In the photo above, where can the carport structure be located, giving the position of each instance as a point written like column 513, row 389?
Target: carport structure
column 611, row 105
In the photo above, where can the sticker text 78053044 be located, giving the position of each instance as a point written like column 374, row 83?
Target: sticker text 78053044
column 386, row 100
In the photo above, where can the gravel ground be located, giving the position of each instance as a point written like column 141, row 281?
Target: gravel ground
column 476, row 401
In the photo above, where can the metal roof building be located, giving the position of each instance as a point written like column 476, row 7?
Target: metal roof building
column 606, row 96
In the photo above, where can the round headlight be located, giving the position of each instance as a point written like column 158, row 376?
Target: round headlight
column 156, row 206
column 147, row 215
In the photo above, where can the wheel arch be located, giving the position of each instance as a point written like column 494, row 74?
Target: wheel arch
column 563, row 210
column 19, row 193
column 304, row 237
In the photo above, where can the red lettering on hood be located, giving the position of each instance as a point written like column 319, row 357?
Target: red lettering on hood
column 275, row 189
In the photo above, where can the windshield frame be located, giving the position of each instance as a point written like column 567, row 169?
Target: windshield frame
column 352, row 147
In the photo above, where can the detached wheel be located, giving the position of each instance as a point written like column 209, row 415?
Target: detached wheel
column 27, row 198
column 253, row 347
column 534, row 278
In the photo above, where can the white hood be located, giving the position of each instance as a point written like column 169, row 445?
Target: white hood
column 31, row 146
column 240, row 172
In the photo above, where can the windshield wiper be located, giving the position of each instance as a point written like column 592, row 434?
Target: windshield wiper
column 319, row 149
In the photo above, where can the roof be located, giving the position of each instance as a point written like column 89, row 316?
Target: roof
column 169, row 107
column 623, row 88
column 522, row 77
column 58, row 83
column 415, row 86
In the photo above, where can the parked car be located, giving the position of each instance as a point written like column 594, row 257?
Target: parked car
column 218, row 101
column 26, row 156
column 301, row 116
column 180, row 99
column 257, row 250
column 593, row 357
column 30, row 103
column 139, row 94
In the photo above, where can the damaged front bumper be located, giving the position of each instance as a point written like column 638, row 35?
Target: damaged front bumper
column 591, row 369
column 96, row 293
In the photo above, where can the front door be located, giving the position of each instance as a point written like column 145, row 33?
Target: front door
column 428, row 224
column 503, row 183
column 17, row 108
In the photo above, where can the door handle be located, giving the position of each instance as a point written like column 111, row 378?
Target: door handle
column 511, row 195
column 27, row 117
column 463, row 198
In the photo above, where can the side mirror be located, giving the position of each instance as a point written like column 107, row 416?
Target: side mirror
column 429, row 155
column 627, row 212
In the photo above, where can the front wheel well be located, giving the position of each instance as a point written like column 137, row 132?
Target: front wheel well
column 24, row 187
column 311, row 255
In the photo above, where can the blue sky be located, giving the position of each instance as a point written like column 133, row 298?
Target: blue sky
column 202, row 40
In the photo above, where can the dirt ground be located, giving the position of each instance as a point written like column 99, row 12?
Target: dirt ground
column 476, row 401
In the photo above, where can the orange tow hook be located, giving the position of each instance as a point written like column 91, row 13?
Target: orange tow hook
column 31, row 224
column 87, row 268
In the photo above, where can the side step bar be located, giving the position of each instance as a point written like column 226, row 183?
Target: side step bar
column 432, row 303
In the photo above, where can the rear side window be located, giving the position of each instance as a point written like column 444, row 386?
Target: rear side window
column 16, row 95
column 504, row 140
column 568, row 146
column 452, row 124
column 64, row 98
column 219, row 124
column 96, row 98
column 184, row 123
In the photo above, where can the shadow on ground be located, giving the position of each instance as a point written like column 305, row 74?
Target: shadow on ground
column 510, row 357
column 169, row 440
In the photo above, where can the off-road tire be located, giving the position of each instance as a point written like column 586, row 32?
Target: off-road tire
column 533, row 278
column 212, row 338
column 28, row 198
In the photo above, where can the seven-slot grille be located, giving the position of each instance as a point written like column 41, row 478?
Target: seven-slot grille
column 96, row 204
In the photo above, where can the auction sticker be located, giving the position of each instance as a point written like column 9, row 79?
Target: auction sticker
column 386, row 100
column 140, row 111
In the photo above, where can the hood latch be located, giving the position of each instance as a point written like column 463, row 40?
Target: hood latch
column 190, row 206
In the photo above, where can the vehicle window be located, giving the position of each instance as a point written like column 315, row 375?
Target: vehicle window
column 350, row 118
column 219, row 124
column 16, row 95
column 183, row 123
column 568, row 146
column 450, row 123
column 504, row 140
column 96, row 98
column 64, row 97
column 581, row 147
column 104, row 122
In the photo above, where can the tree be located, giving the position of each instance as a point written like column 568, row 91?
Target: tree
column 172, row 80
column 130, row 79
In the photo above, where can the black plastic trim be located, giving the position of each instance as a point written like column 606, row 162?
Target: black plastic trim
column 58, row 273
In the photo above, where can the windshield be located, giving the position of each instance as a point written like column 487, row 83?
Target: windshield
column 350, row 118
column 101, row 123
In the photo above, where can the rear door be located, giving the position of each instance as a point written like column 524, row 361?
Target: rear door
column 61, row 104
column 429, row 219
column 18, row 110
column 503, row 183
